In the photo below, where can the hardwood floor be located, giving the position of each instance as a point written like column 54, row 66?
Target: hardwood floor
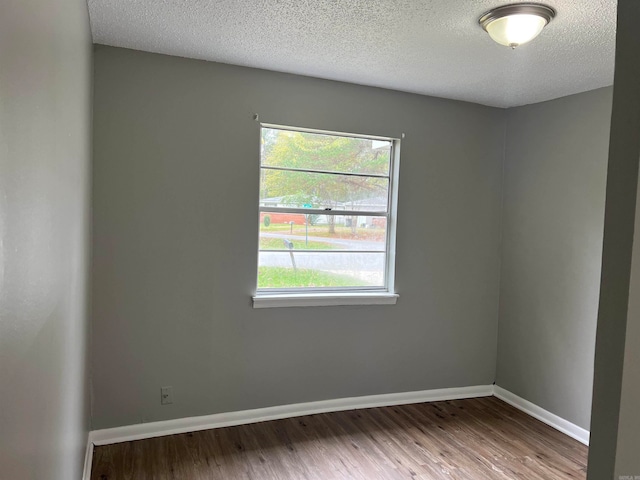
column 475, row 439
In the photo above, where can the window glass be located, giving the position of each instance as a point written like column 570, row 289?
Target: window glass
column 324, row 211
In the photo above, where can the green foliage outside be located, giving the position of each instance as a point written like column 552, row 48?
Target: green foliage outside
column 267, row 220
column 280, row 277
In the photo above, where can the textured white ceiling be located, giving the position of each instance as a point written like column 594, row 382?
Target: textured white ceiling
column 432, row 47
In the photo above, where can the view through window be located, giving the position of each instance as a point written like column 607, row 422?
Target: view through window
column 325, row 203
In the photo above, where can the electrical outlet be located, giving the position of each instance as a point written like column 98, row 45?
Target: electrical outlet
column 166, row 395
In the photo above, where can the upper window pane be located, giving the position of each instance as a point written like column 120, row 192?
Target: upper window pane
column 285, row 188
column 330, row 153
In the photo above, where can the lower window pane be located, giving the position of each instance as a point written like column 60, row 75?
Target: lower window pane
column 320, row 269
column 279, row 231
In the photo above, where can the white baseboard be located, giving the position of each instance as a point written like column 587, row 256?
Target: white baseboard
column 218, row 420
column 551, row 419
column 88, row 459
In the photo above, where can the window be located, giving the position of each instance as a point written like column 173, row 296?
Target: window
column 326, row 218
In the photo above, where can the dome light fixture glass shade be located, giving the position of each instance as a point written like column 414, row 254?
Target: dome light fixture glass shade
column 514, row 25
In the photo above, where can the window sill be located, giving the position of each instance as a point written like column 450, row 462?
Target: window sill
column 324, row 299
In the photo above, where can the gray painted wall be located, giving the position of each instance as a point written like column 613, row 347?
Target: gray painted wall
column 175, row 238
column 45, row 126
column 613, row 449
column 554, row 189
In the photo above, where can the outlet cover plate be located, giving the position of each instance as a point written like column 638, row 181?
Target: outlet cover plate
column 166, row 395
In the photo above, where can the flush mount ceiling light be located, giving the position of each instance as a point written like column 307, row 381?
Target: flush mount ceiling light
column 514, row 25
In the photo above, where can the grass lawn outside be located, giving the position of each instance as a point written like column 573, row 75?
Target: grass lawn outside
column 267, row 243
column 281, row 277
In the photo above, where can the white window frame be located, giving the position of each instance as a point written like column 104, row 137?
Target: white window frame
column 331, row 296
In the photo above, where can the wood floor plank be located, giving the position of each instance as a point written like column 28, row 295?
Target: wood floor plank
column 473, row 439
